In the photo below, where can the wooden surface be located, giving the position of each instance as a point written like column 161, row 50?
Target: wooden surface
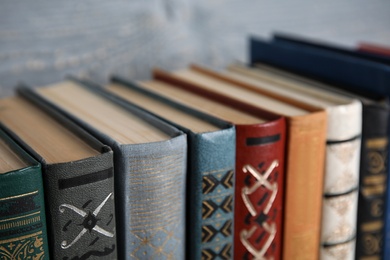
column 41, row 41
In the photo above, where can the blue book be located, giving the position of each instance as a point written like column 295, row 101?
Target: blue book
column 353, row 73
column 322, row 45
column 358, row 74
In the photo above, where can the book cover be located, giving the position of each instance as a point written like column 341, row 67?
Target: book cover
column 79, row 194
column 371, row 231
column 150, row 178
column 305, row 143
column 339, row 212
column 351, row 73
column 22, row 207
column 210, row 170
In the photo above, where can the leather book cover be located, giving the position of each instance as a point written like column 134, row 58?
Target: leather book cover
column 371, row 233
column 150, row 181
column 305, row 150
column 210, row 177
column 22, row 209
column 349, row 72
column 79, row 196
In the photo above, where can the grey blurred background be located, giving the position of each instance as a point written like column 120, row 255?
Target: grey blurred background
column 42, row 41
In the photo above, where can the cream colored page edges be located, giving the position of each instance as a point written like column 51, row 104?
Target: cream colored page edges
column 159, row 108
column 42, row 133
column 9, row 160
column 200, row 103
column 104, row 115
column 241, row 94
column 286, row 87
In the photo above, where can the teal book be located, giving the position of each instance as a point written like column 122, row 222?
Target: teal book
column 77, row 173
column 22, row 206
column 210, row 174
column 150, row 162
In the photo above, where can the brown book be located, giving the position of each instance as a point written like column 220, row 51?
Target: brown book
column 306, row 132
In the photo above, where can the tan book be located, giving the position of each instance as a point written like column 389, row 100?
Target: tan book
column 306, row 131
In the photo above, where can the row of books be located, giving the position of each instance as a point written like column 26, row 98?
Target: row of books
column 253, row 162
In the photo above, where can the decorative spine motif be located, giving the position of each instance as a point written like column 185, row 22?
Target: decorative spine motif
column 372, row 198
column 217, row 210
column 266, row 225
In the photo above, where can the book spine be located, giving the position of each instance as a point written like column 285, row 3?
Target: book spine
column 372, row 195
column 304, row 186
column 211, row 195
column 151, row 182
column 259, row 190
column 81, row 211
column 339, row 212
column 22, row 215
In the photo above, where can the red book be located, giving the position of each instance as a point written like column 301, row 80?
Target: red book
column 374, row 48
column 260, row 151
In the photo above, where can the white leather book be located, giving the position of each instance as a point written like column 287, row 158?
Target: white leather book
column 339, row 209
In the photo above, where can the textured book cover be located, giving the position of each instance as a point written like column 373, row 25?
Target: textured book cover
column 22, row 209
column 210, row 176
column 150, row 181
column 371, row 232
column 79, row 196
column 373, row 182
column 306, row 137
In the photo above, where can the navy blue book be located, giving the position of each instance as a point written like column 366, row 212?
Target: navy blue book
column 322, row 45
column 359, row 75
column 349, row 72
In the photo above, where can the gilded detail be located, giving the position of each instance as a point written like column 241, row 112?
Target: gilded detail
column 269, row 228
column 26, row 247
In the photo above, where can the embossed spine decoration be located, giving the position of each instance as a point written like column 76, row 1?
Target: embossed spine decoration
column 259, row 191
column 373, row 180
column 339, row 210
column 154, row 201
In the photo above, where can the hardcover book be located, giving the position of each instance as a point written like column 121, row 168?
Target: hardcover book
column 340, row 200
column 210, row 170
column 349, row 72
column 372, row 196
column 77, row 178
column 306, row 130
column 326, row 46
column 259, row 189
column 150, row 159
column 22, row 207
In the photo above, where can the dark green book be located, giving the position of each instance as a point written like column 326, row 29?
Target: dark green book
column 22, row 207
